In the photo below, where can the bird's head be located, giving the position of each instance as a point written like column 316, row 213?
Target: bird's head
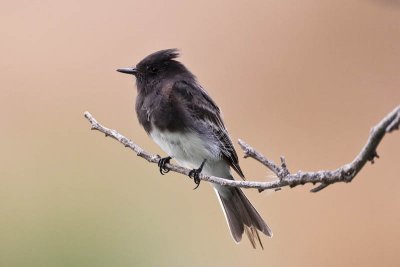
column 156, row 66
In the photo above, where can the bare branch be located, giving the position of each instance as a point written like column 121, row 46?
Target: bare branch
column 345, row 173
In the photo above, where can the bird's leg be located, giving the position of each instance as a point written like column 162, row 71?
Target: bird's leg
column 195, row 174
column 161, row 163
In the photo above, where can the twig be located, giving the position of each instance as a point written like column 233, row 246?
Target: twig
column 345, row 173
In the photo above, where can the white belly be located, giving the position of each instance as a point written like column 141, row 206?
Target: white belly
column 186, row 148
column 189, row 150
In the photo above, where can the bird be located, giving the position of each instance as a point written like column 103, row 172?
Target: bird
column 186, row 123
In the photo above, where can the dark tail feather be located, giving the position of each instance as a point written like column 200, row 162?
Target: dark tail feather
column 242, row 216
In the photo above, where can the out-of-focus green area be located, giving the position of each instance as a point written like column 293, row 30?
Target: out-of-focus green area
column 302, row 79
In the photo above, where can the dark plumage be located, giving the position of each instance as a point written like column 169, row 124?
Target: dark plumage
column 186, row 123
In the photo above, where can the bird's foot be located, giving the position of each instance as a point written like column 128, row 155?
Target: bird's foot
column 195, row 174
column 161, row 163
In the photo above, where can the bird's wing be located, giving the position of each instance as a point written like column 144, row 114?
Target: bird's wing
column 204, row 108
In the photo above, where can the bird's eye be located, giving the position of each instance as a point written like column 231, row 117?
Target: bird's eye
column 152, row 69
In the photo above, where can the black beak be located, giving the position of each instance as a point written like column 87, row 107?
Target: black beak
column 128, row 70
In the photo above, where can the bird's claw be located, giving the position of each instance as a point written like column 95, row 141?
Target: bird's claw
column 195, row 174
column 161, row 163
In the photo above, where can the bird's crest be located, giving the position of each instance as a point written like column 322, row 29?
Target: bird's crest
column 159, row 57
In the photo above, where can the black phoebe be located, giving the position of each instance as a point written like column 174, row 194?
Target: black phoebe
column 179, row 115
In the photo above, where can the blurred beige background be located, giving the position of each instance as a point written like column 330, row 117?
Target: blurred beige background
column 304, row 79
